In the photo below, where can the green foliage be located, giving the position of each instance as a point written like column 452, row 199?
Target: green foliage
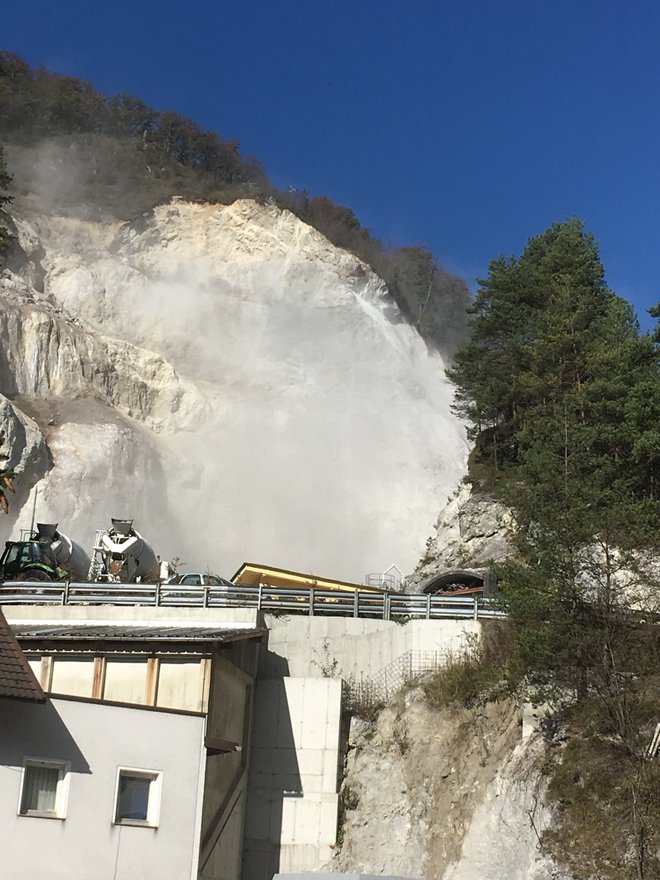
column 485, row 670
column 551, row 346
column 573, row 433
column 36, row 103
column 5, row 180
column 361, row 698
column 348, row 803
column 434, row 301
column 562, row 395
column 654, row 312
column 607, row 796
column 6, row 479
column 327, row 664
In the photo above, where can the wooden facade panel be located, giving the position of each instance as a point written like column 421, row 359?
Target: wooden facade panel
column 125, row 681
column 181, row 685
column 72, row 676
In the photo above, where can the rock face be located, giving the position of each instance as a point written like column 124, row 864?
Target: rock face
column 228, row 378
column 471, row 532
column 450, row 794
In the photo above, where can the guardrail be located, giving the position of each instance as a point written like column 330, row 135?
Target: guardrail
column 276, row 600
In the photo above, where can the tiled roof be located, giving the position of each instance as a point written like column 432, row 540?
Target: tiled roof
column 16, row 677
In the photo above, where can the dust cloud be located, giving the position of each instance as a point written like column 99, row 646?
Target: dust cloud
column 323, row 441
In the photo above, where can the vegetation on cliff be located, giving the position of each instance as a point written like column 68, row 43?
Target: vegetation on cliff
column 6, row 478
column 561, row 392
column 5, row 180
column 130, row 157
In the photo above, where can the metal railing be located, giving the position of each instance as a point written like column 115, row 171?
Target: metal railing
column 367, row 692
column 382, row 580
column 398, row 607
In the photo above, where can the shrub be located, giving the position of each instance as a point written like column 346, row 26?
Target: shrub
column 483, row 671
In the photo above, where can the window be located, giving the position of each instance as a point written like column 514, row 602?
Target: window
column 44, row 789
column 137, row 799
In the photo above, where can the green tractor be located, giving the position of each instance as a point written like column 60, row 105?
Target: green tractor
column 31, row 559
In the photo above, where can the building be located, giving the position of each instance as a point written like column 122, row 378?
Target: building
column 177, row 736
column 124, row 744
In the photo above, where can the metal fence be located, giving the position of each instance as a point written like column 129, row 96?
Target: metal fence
column 367, row 692
column 398, row 607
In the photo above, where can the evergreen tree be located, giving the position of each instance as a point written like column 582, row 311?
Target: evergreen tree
column 535, row 322
column 563, row 399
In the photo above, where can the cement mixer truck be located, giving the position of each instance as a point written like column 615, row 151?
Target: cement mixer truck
column 44, row 555
column 122, row 556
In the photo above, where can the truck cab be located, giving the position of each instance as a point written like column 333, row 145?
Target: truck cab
column 30, row 561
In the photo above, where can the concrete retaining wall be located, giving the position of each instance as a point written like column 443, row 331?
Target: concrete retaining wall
column 291, row 820
column 232, row 618
column 348, row 647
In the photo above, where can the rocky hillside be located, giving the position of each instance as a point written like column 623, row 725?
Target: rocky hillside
column 451, row 794
column 228, row 378
column 472, row 530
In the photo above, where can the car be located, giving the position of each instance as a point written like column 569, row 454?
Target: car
column 197, row 579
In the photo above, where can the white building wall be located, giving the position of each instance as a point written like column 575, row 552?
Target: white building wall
column 97, row 739
column 291, row 820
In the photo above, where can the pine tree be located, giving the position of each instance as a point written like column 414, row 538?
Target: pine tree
column 563, row 399
column 535, row 321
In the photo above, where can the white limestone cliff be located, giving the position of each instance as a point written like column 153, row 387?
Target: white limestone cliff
column 226, row 376
column 471, row 531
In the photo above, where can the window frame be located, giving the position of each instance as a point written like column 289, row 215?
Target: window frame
column 155, row 778
column 61, row 788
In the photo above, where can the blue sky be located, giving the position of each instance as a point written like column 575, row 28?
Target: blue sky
column 464, row 127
